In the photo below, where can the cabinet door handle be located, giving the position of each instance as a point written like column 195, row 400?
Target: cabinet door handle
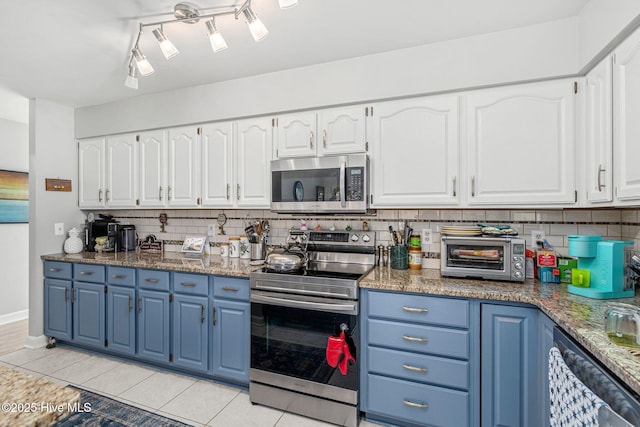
column 311, row 140
column 86, row 273
column 414, row 309
column 324, row 138
column 118, row 276
column 238, row 191
column 213, row 315
column 414, row 339
column 169, row 193
column 129, row 303
column 139, row 304
column 100, row 195
column 414, row 368
column 160, row 193
column 188, row 284
column 230, row 289
column 415, row 405
column 151, row 280
column 600, row 184
column 454, row 186
column 228, row 188
column 201, row 313
column 54, row 270
column 66, row 294
column 73, row 296
column 106, row 199
column 473, row 186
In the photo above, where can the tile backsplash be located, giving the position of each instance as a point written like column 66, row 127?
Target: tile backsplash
column 557, row 224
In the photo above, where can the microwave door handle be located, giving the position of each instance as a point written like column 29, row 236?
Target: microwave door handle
column 343, row 194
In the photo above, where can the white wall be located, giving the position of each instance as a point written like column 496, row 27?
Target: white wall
column 53, row 154
column 14, row 244
column 523, row 54
column 601, row 25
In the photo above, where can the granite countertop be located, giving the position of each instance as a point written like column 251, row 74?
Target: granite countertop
column 581, row 317
column 31, row 401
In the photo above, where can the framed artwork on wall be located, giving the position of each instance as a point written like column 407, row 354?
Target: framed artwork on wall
column 14, row 197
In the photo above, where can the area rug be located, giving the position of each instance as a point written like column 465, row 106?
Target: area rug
column 105, row 412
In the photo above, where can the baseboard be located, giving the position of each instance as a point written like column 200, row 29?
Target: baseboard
column 36, row 342
column 14, row 317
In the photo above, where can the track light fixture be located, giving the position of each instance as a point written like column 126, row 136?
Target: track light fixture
column 188, row 14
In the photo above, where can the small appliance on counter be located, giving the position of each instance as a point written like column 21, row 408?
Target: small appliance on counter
column 96, row 228
column 605, row 261
column 122, row 237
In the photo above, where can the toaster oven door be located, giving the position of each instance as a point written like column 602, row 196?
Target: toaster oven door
column 476, row 256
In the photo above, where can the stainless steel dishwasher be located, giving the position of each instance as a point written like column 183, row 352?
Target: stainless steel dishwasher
column 624, row 404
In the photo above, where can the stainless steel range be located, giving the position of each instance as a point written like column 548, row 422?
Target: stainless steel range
column 304, row 328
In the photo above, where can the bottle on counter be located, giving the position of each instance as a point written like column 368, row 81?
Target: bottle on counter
column 415, row 257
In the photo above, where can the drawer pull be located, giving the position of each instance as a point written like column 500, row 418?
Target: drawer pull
column 86, row 273
column 414, row 368
column 151, row 280
column 188, row 285
column 415, row 310
column 230, row 289
column 54, row 270
column 414, row 339
column 415, row 405
column 118, row 276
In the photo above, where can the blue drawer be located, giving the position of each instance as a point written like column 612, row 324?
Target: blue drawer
column 88, row 273
column 191, row 284
column 419, row 367
column 419, row 338
column 230, row 288
column 156, row 280
column 57, row 270
column 418, row 403
column 122, row 276
column 419, row 308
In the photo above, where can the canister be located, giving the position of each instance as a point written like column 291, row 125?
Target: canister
column 415, row 257
column 224, row 249
column 234, row 247
column 245, row 249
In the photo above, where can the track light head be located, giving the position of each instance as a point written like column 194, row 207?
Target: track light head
column 131, row 81
column 166, row 46
column 215, row 38
column 256, row 27
column 144, row 67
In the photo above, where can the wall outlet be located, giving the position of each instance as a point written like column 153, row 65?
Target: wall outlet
column 211, row 230
column 58, row 229
column 536, row 236
column 426, row 236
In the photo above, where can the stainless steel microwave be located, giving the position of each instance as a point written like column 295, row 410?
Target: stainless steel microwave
column 494, row 258
column 331, row 184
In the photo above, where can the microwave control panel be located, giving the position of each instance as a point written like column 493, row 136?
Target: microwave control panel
column 355, row 183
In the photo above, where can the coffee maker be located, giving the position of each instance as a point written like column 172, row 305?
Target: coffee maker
column 605, row 261
column 121, row 237
column 96, row 228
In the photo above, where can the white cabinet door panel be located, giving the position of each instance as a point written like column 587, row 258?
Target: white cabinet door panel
column 122, row 169
column 91, row 185
column 152, row 152
column 342, row 130
column 254, row 147
column 217, row 167
column 184, row 167
column 296, row 135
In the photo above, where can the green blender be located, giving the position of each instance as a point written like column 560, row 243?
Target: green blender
column 605, row 261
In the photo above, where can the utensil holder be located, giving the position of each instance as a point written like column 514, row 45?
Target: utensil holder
column 399, row 257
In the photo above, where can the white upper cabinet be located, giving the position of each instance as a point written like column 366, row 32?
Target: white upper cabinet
column 521, row 145
column 342, row 130
column 296, row 134
column 598, row 133
column 414, row 156
column 121, row 171
column 626, row 113
column 254, row 144
column 152, row 154
column 217, row 164
column 91, row 179
column 183, row 167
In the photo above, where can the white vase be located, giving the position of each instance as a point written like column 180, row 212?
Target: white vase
column 73, row 244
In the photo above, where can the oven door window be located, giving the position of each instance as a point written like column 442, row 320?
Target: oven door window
column 293, row 342
column 486, row 257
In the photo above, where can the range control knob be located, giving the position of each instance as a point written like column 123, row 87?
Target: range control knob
column 518, row 274
column 366, row 238
column 354, row 238
column 518, row 266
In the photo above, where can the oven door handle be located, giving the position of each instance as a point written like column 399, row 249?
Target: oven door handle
column 349, row 307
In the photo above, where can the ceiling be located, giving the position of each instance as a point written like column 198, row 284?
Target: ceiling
column 76, row 52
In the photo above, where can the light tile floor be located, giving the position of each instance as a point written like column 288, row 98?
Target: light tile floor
column 198, row 402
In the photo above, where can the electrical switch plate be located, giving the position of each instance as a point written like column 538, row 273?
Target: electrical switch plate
column 426, row 236
column 58, row 228
column 537, row 235
column 211, row 230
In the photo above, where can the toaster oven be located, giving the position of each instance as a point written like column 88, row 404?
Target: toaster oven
column 493, row 258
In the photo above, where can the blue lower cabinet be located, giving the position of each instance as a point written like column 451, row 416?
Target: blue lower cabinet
column 153, row 325
column 89, row 313
column 545, row 342
column 121, row 319
column 190, row 332
column 231, row 340
column 509, row 366
column 57, row 308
